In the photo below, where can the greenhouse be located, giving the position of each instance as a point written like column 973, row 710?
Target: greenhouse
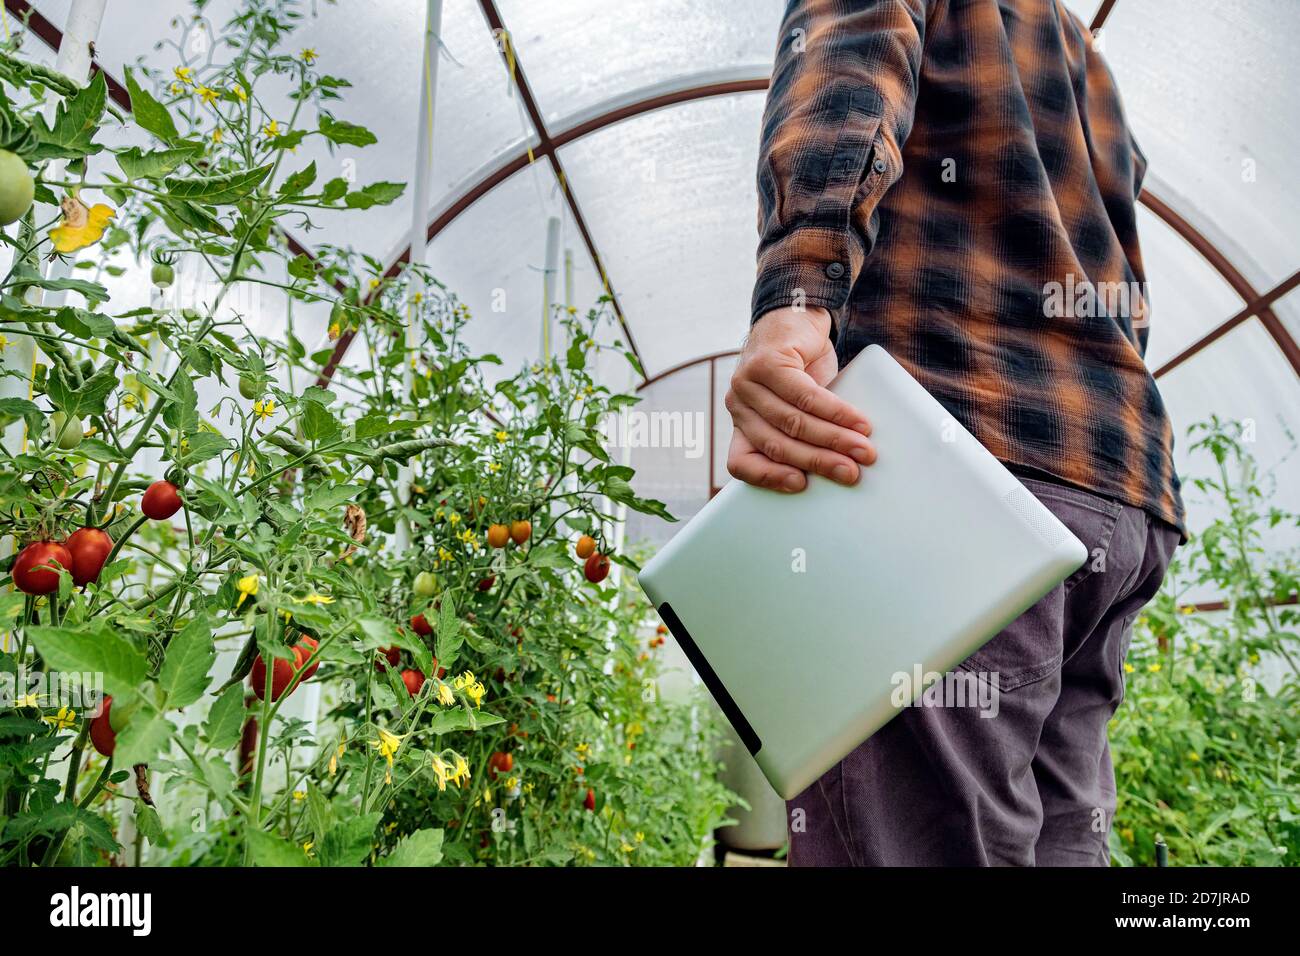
column 393, row 417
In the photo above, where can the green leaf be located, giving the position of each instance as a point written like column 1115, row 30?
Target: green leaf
column 202, row 446
column 98, row 450
column 421, row 848
column 447, row 721
column 190, row 655
column 94, row 648
column 193, row 216
column 349, row 842
column 91, row 290
column 225, row 188
column 225, row 719
column 344, row 133
column 75, row 122
column 376, row 194
column 148, row 112
column 318, row 424
column 449, row 636
column 267, row 850
column 303, row 266
column 218, row 491
column 334, row 190
column 149, row 823
column 11, row 408
column 331, row 496
column 138, row 164
column 298, row 182
column 146, row 735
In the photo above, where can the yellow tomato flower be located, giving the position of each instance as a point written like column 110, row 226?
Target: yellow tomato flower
column 239, row 92
column 1128, row 668
column 299, row 795
column 445, row 696
column 1153, row 668
column 494, row 467
column 469, row 685
column 441, row 771
column 271, row 129
column 314, row 598
column 206, row 94
column 63, row 720
column 454, row 519
column 1193, row 756
column 308, row 55
column 264, row 409
column 216, row 135
column 82, row 225
column 184, row 74
column 334, row 331
column 4, row 342
column 388, row 744
column 247, row 587
column 502, row 436
column 306, row 848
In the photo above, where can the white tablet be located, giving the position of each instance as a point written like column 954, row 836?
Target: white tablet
column 810, row 617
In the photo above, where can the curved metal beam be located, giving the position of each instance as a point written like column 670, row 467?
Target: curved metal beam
column 1256, row 303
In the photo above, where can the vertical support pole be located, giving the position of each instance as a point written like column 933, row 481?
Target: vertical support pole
column 419, row 219
column 550, row 269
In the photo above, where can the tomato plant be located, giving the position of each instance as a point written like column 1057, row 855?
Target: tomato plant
column 206, row 532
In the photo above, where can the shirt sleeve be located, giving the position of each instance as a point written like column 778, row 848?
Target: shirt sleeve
column 839, row 108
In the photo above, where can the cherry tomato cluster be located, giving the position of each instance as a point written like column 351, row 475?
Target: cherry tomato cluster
column 499, row 535
column 596, row 565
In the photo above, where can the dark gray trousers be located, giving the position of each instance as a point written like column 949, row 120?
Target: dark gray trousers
column 1032, row 785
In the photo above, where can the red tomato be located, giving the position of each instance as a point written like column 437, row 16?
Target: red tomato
column 32, row 570
column 392, row 654
column 500, row 763
column 282, row 673
column 413, row 680
column 89, row 548
column 102, row 735
column 440, row 671
column 161, row 500
column 305, row 649
column 487, row 582
column 597, row 568
column 520, row 531
column 590, row 801
column 420, row 625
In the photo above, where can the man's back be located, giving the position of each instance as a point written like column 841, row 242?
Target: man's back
column 955, row 180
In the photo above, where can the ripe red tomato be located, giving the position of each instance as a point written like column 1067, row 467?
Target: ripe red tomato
column 420, row 625
column 498, row 535
column 590, row 801
column 161, row 500
column 487, row 582
column 392, row 654
column 282, row 674
column 521, row 531
column 413, row 680
column 597, row 568
column 586, row 547
column 32, row 570
column 500, row 762
column 102, row 735
column 305, row 649
column 89, row 548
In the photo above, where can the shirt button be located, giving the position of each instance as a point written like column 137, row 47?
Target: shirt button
column 834, row 271
column 879, row 165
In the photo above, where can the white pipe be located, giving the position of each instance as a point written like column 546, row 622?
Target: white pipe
column 551, row 267
column 419, row 215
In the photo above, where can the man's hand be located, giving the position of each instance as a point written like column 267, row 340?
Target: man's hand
column 786, row 421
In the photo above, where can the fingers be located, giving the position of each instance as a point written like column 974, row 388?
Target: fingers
column 795, row 386
column 746, row 464
column 801, row 425
column 779, row 448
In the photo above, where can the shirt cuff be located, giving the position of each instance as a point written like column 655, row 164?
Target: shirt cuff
column 810, row 266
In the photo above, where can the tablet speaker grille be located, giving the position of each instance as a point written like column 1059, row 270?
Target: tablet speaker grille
column 1023, row 504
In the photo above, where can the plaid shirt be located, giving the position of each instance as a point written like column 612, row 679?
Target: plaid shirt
column 955, row 180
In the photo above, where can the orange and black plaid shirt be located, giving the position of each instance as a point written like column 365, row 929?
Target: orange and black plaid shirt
column 955, row 181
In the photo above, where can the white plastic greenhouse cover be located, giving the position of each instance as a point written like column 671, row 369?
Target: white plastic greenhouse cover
column 666, row 196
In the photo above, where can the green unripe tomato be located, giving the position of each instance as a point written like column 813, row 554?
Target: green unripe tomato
column 249, row 387
column 426, row 584
column 162, row 275
column 17, row 188
column 67, row 431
